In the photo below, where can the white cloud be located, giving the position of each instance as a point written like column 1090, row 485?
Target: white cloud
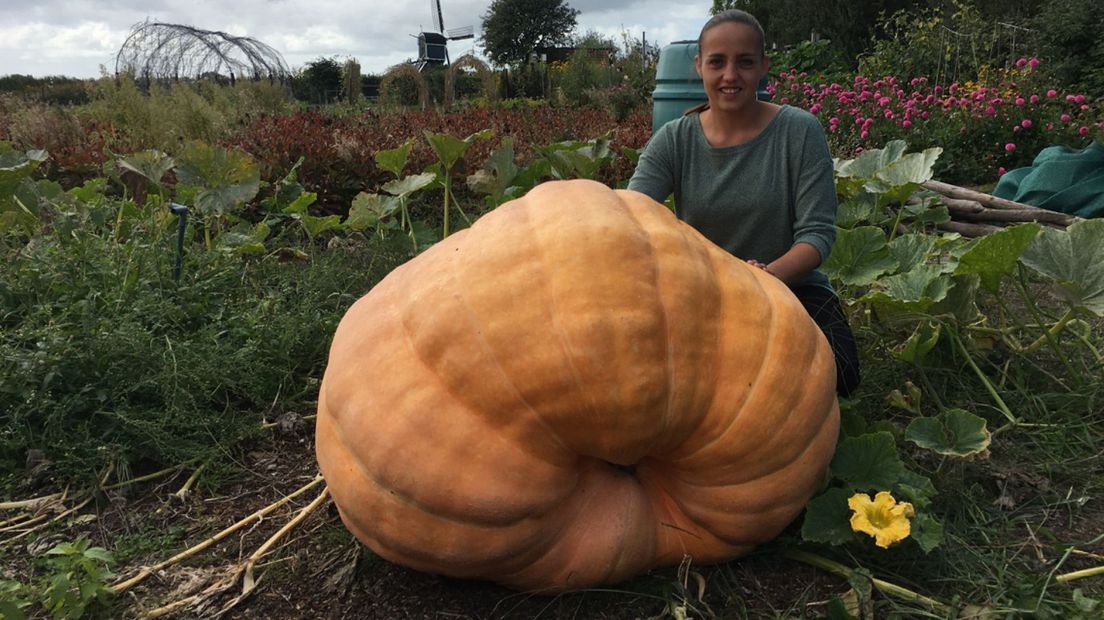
column 75, row 37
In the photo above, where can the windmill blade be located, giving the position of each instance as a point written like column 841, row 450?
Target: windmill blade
column 467, row 32
column 435, row 13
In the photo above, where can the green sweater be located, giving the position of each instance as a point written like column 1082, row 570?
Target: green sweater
column 755, row 199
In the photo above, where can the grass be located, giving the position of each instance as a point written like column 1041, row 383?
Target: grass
column 106, row 359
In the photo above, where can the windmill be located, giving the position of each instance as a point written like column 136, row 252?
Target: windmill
column 432, row 46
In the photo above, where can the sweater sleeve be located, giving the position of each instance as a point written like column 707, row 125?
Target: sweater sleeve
column 655, row 171
column 815, row 195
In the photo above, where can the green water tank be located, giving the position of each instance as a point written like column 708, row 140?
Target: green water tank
column 678, row 87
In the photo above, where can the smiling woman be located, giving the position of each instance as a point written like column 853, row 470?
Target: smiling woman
column 753, row 177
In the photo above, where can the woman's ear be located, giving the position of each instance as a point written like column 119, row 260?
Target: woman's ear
column 697, row 64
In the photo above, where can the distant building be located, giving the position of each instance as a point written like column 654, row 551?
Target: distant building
column 563, row 54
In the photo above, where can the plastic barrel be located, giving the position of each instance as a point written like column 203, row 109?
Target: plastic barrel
column 678, row 86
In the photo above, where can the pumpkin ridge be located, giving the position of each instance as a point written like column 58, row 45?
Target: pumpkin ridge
column 402, row 551
column 685, row 242
column 683, row 480
column 398, row 493
column 612, row 232
column 794, row 408
column 491, row 355
column 664, row 316
column 529, row 511
column 746, row 393
column 533, row 232
column 780, row 507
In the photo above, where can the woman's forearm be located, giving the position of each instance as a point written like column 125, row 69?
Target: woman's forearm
column 796, row 263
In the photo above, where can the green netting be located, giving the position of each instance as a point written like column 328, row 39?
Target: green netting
column 1060, row 179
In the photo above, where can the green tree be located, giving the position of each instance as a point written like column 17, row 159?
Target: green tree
column 321, row 81
column 512, row 29
column 848, row 24
column 1070, row 42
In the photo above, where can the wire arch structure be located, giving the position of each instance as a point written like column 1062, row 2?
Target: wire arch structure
column 160, row 52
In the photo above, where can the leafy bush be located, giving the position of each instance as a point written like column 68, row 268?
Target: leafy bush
column 946, row 48
column 104, row 358
column 580, row 75
column 181, row 111
column 75, row 583
column 1069, row 37
column 620, row 100
column 819, row 59
column 51, row 90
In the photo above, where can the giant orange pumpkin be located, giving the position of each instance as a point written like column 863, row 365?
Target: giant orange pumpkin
column 576, row 389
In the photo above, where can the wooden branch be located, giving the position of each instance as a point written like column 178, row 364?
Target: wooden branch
column 962, row 193
column 988, row 200
column 969, row 230
column 974, row 211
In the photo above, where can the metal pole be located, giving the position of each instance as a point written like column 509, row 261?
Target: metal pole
column 181, row 212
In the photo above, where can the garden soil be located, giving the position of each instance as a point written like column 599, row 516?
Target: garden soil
column 318, row 570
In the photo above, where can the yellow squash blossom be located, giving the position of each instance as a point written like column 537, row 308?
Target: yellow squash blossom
column 884, row 518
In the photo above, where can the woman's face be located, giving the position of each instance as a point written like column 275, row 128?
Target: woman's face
column 730, row 63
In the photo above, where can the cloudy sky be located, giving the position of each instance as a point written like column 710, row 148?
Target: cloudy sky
column 77, row 37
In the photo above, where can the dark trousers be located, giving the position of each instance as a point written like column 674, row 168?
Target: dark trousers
column 825, row 308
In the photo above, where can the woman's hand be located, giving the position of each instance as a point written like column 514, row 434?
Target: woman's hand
column 763, row 266
column 795, row 264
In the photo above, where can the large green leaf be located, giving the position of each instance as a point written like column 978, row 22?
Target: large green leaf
column 856, row 210
column 408, row 185
column 1074, row 259
column 827, row 518
column 868, row 462
column 961, row 300
column 368, row 210
column 871, row 161
column 317, row 225
column 995, row 254
column 15, row 168
column 226, row 178
column 914, row 290
column 911, row 250
column 953, row 432
column 245, row 240
column 915, row 488
column 152, row 165
column 859, row 256
column 301, row 202
column 926, row 213
column 21, row 198
column 887, row 171
column 498, row 173
column 394, row 160
column 576, row 159
column 901, row 178
column 450, row 149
